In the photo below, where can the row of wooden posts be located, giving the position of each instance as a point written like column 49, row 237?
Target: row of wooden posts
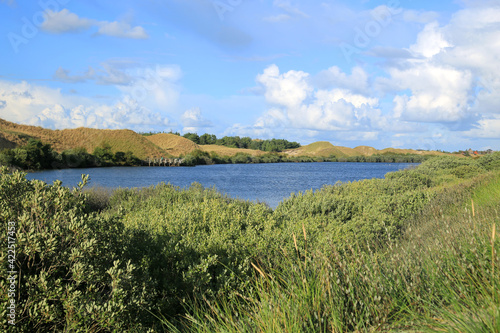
column 162, row 161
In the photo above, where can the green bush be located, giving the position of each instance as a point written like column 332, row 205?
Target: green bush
column 73, row 275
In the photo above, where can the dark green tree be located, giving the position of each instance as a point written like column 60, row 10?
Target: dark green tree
column 208, row 139
column 104, row 154
column 193, row 137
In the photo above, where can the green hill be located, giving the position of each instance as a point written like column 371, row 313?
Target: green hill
column 166, row 145
column 12, row 135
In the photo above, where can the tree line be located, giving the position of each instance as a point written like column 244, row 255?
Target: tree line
column 199, row 157
column 272, row 145
column 36, row 155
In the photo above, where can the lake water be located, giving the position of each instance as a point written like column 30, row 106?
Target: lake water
column 268, row 183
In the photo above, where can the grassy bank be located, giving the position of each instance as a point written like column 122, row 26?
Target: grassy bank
column 415, row 251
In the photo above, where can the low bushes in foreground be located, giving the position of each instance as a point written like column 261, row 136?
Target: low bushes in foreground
column 408, row 251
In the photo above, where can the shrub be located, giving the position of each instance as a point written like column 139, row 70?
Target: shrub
column 72, row 275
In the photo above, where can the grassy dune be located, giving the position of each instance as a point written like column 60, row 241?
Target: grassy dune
column 60, row 140
column 10, row 141
column 366, row 150
column 320, row 149
column 119, row 140
column 413, row 151
column 177, row 145
column 166, row 145
column 227, row 151
column 173, row 144
column 326, row 149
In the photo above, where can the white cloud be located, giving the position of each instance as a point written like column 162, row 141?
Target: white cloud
column 122, row 30
column 333, row 77
column 64, row 21
column 475, row 32
column 488, row 127
column 155, row 88
column 454, row 73
column 289, row 89
column 193, row 118
column 336, row 110
column 439, row 94
column 430, row 41
column 47, row 107
column 419, row 17
column 295, row 102
column 274, row 117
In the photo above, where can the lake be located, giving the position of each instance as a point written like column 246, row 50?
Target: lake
column 269, row 183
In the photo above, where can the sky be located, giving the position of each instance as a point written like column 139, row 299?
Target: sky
column 393, row 73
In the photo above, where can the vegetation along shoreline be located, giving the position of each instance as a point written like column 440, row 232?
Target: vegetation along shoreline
column 35, row 148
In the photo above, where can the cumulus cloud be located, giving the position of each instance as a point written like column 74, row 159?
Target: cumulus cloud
column 47, row 107
column 475, row 33
column 453, row 74
column 193, row 119
column 64, row 21
column 296, row 102
column 430, row 41
column 122, row 30
column 333, row 77
column 419, row 17
column 488, row 127
column 155, row 87
column 289, row 89
column 117, row 116
column 273, row 118
column 336, row 110
column 439, row 94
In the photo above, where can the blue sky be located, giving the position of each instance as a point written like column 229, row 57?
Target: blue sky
column 395, row 73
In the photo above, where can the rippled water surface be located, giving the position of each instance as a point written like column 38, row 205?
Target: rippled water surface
column 268, row 183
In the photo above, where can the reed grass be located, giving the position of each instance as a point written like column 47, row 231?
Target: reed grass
column 440, row 276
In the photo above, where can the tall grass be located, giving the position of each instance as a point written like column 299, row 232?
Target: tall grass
column 440, row 276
